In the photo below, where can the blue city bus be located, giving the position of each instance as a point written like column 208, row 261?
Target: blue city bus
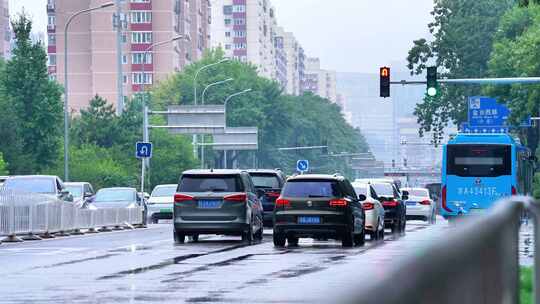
column 479, row 169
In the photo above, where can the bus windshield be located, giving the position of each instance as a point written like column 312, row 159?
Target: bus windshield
column 479, row 160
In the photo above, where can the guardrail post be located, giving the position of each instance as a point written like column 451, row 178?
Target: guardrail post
column 47, row 234
column 116, row 221
column 31, row 236
column 12, row 237
column 76, row 223
column 62, row 231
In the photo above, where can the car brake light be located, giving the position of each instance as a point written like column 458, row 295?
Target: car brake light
column 236, row 197
column 368, row 206
column 392, row 203
column 443, row 199
column 273, row 194
column 338, row 203
column 426, row 203
column 514, row 190
column 179, row 198
column 282, row 202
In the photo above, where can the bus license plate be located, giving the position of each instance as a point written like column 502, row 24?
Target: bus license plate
column 209, row 204
column 309, row 220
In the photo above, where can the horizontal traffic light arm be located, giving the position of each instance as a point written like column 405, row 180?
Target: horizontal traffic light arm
column 495, row 81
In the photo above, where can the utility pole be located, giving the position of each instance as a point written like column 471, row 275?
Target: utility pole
column 119, row 26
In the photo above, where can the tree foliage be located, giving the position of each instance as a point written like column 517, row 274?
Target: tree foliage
column 3, row 166
column 463, row 33
column 30, row 122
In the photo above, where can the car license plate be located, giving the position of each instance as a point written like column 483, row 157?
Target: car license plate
column 309, row 220
column 165, row 210
column 410, row 203
column 477, row 211
column 209, row 204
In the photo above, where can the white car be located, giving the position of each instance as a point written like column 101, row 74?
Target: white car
column 420, row 206
column 161, row 203
column 373, row 208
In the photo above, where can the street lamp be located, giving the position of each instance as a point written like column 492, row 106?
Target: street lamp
column 203, row 94
column 225, row 104
column 66, row 88
column 195, row 94
column 144, row 162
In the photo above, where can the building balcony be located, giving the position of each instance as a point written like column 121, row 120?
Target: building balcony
column 239, row 15
column 139, row 47
column 140, row 6
column 239, row 2
column 141, row 27
column 138, row 67
column 51, row 49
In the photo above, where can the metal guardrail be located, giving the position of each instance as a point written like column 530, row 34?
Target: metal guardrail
column 476, row 262
column 33, row 215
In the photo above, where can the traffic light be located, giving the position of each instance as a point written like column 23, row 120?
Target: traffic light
column 385, row 82
column 432, row 87
column 405, row 162
column 393, row 163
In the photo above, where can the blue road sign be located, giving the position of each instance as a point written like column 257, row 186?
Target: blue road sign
column 144, row 150
column 466, row 128
column 302, row 165
column 487, row 112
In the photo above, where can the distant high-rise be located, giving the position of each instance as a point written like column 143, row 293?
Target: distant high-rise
column 295, row 64
column 92, row 44
column 5, row 35
column 319, row 81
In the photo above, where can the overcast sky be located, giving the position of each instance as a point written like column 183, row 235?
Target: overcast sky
column 348, row 35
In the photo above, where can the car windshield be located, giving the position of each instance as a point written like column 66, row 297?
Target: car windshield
column 211, row 183
column 311, row 188
column 115, row 195
column 76, row 191
column 360, row 190
column 269, row 181
column 33, row 185
column 384, row 189
column 164, row 191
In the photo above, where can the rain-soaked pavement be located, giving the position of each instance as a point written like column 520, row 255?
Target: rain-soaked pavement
column 144, row 266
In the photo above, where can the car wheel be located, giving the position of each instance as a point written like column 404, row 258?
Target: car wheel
column 403, row 226
column 247, row 236
column 381, row 234
column 360, row 239
column 154, row 220
column 396, row 226
column 292, row 241
column 179, row 238
column 347, row 239
column 260, row 234
column 279, row 239
column 195, row 238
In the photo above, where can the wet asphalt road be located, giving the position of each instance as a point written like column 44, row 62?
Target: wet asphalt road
column 144, row 266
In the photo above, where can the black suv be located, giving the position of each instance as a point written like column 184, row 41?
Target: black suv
column 318, row 206
column 393, row 201
column 217, row 202
column 269, row 184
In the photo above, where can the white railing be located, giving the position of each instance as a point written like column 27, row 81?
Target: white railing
column 29, row 214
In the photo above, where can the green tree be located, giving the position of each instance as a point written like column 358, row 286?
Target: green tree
column 33, row 105
column 3, row 166
column 97, row 124
column 463, row 32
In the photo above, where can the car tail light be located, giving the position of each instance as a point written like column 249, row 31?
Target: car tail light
column 273, row 194
column 368, row 206
column 338, row 203
column 236, row 198
column 179, row 198
column 281, row 202
column 426, row 203
column 443, row 199
column 514, row 190
column 392, row 203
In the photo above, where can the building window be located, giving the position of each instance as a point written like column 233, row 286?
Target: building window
column 51, row 22
column 227, row 21
column 227, row 46
column 52, row 39
column 137, row 58
column 137, row 78
column 141, row 17
column 239, row 8
column 125, row 79
column 239, row 21
column 52, row 59
column 124, row 38
column 124, row 59
column 239, row 34
column 227, row 9
column 141, row 37
column 227, row 34
column 240, row 46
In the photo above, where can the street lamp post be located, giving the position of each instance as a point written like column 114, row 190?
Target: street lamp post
column 144, row 162
column 225, row 104
column 66, row 88
column 203, row 95
column 195, row 94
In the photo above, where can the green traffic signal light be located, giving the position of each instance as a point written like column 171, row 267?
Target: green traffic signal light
column 432, row 81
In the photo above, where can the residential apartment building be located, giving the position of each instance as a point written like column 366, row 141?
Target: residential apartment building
column 295, row 64
column 92, row 44
column 318, row 81
column 5, row 34
column 247, row 31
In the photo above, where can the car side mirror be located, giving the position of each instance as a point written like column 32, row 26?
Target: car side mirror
column 404, row 197
column 362, row 197
column 63, row 192
column 405, row 193
column 88, row 194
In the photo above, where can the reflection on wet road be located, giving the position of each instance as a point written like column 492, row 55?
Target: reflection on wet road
column 145, row 266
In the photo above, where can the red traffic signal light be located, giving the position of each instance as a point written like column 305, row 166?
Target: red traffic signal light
column 385, row 82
